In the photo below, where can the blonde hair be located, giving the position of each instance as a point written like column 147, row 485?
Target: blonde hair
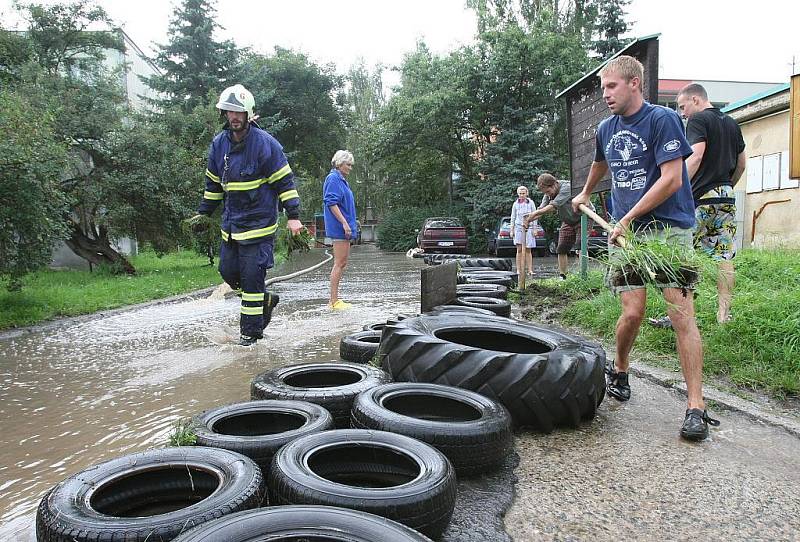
column 342, row 157
column 545, row 179
column 625, row 66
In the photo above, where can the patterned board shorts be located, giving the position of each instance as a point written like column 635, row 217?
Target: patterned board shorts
column 716, row 225
column 618, row 284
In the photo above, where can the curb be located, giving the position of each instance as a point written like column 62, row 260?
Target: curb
column 786, row 420
column 724, row 399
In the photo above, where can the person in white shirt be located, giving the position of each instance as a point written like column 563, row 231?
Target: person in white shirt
column 523, row 232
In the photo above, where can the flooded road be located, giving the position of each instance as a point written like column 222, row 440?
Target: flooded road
column 83, row 391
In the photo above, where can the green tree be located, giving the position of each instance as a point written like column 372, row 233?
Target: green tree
column 193, row 62
column 609, row 27
column 362, row 103
column 426, row 131
column 127, row 174
column 294, row 99
column 31, row 162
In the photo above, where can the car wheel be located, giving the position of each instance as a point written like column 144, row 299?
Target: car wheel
column 552, row 246
column 331, row 385
column 471, row 430
column 360, row 347
column 302, row 523
column 258, row 429
column 378, row 472
column 150, row 495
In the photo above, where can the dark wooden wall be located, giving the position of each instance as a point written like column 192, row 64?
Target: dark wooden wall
column 586, row 109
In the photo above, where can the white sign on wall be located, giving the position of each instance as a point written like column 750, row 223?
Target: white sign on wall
column 771, row 171
column 754, row 173
column 786, row 182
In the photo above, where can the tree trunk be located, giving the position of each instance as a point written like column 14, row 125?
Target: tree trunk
column 98, row 251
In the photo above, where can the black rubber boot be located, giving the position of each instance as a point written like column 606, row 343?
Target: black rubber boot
column 247, row 340
column 270, row 301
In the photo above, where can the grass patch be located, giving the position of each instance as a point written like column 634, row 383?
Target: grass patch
column 182, row 433
column 51, row 293
column 758, row 349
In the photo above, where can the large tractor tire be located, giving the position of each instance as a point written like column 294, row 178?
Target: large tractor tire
column 544, row 377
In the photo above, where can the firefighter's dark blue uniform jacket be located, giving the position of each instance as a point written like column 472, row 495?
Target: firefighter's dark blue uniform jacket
column 249, row 177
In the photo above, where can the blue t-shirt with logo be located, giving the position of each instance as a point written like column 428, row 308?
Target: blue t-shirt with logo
column 634, row 147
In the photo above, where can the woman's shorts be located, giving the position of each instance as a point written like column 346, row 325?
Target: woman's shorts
column 530, row 241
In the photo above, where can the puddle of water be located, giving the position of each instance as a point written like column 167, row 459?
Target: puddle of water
column 80, row 393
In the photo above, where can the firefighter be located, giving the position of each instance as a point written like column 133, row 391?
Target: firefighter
column 249, row 174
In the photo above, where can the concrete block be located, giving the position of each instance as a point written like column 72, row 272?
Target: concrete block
column 437, row 285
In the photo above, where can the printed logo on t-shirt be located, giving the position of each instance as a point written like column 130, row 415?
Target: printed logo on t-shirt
column 626, row 171
column 673, row 145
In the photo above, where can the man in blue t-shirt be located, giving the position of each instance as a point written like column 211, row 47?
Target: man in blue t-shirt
column 644, row 147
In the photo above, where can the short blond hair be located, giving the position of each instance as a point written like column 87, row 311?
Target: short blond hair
column 522, row 186
column 625, row 66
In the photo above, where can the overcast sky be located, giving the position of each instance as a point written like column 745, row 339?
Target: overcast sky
column 739, row 40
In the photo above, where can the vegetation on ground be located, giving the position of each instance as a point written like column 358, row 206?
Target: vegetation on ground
column 51, row 293
column 182, row 433
column 758, row 349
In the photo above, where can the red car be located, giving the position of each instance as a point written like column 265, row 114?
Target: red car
column 442, row 234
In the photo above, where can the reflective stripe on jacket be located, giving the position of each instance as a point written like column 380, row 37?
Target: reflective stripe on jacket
column 250, row 178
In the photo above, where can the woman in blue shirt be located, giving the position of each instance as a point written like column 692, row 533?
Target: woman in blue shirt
column 340, row 219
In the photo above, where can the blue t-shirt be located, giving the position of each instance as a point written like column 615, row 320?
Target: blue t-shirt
column 634, row 147
column 336, row 191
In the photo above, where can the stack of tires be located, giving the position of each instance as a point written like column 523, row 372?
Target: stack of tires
column 483, row 283
column 328, row 451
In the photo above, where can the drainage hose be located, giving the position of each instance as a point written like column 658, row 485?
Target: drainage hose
column 296, row 274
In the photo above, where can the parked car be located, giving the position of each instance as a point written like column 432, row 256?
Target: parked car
column 501, row 238
column 442, row 234
column 597, row 241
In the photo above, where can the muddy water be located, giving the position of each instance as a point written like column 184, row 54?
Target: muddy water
column 81, row 392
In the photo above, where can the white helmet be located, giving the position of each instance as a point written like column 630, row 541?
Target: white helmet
column 237, row 98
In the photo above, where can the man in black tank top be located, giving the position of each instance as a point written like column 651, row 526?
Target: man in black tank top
column 716, row 164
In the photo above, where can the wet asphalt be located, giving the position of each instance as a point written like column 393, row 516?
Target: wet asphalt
column 83, row 390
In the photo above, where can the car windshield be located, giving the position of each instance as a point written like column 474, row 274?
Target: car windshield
column 443, row 223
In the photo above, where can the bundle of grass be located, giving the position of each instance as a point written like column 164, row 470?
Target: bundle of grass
column 650, row 260
column 302, row 241
column 655, row 261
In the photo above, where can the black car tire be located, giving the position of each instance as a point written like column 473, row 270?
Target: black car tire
column 485, row 279
column 136, row 497
column 471, row 430
column 435, row 259
column 544, row 377
column 298, row 523
column 332, row 385
column 497, row 264
column 500, row 307
column 258, row 429
column 359, row 347
column 480, row 290
column 378, row 326
column 459, row 309
column 382, row 473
